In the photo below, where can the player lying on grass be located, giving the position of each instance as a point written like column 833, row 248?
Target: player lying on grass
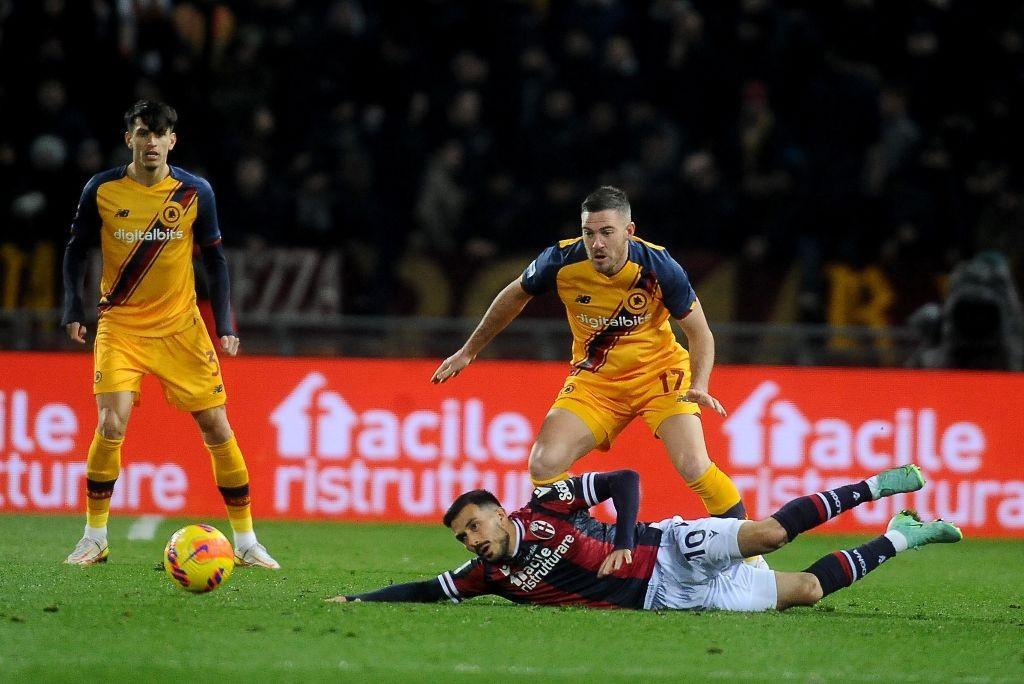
column 553, row 552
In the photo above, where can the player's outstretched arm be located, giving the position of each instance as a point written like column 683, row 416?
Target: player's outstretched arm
column 416, row 592
column 506, row 306
column 702, row 357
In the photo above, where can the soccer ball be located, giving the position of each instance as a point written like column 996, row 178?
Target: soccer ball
column 199, row 558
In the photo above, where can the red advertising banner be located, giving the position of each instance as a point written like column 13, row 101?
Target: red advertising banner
column 359, row 439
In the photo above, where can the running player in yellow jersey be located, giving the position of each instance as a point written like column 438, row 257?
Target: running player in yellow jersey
column 619, row 293
column 146, row 217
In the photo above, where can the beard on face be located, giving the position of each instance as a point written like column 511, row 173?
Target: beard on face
column 499, row 547
column 607, row 263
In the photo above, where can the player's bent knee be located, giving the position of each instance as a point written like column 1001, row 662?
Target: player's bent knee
column 546, row 463
column 763, row 536
column 110, row 425
column 797, row 589
column 810, row 589
column 773, row 535
column 213, row 423
column 804, row 590
column 540, row 470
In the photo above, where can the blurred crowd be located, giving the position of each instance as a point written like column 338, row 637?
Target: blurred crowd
column 771, row 132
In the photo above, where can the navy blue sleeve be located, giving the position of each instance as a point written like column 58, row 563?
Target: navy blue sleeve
column 623, row 488
column 418, row 592
column 589, row 489
column 539, row 276
column 206, row 229
column 85, row 228
column 676, row 290
column 206, row 234
column 215, row 263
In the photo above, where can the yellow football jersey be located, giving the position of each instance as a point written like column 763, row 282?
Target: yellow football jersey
column 620, row 324
column 146, row 236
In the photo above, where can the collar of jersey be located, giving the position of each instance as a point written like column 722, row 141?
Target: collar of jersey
column 520, row 533
column 620, row 274
column 162, row 181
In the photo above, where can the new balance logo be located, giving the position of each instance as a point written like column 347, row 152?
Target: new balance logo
column 121, row 213
column 582, row 299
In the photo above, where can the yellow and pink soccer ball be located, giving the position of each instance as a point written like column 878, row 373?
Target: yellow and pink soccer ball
column 199, row 558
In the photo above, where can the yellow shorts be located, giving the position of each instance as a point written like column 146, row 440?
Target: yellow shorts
column 607, row 405
column 185, row 363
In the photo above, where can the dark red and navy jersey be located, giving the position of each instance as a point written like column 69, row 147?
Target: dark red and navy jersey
column 559, row 548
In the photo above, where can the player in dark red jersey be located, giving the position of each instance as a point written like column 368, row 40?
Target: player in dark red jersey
column 553, row 552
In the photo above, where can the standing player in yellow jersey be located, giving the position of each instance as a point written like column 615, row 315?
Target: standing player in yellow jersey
column 146, row 216
column 619, row 293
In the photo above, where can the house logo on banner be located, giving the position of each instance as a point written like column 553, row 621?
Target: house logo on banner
column 340, row 458
column 778, row 450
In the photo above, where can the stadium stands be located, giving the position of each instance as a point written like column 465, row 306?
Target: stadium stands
column 818, row 162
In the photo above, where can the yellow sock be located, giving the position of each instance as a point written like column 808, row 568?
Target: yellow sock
column 102, row 467
column 718, row 493
column 233, row 482
column 556, row 478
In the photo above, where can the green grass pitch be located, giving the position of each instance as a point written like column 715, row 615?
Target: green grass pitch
column 946, row 613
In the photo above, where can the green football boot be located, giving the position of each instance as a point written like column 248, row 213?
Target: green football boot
column 920, row 533
column 900, row 480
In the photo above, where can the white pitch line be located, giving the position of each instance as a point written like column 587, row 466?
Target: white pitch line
column 145, row 527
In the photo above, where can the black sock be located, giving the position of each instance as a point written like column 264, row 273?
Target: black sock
column 807, row 512
column 97, row 489
column 736, row 511
column 843, row 568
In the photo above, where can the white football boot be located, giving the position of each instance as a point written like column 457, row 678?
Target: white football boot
column 255, row 556
column 88, row 552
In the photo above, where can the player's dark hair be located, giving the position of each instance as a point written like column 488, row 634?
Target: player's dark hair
column 158, row 117
column 607, row 197
column 480, row 497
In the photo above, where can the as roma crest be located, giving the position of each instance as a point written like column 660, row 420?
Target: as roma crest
column 637, row 301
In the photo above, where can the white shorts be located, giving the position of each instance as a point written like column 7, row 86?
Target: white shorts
column 699, row 567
